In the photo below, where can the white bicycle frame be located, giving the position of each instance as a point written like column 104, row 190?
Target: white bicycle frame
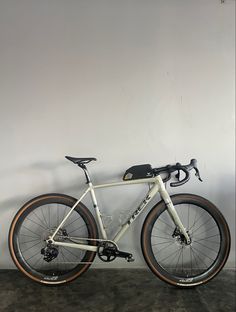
column 157, row 185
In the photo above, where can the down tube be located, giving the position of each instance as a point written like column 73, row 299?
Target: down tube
column 137, row 212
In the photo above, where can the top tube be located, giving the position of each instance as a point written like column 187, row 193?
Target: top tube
column 138, row 181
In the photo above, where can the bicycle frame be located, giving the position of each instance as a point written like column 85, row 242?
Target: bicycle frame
column 157, row 186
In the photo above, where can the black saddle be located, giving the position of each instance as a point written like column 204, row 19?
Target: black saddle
column 80, row 161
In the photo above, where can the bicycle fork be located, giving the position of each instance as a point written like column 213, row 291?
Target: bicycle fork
column 171, row 209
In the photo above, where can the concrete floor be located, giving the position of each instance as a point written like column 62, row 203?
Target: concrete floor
column 115, row 291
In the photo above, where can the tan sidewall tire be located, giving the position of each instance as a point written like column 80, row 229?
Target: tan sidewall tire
column 160, row 207
column 30, row 205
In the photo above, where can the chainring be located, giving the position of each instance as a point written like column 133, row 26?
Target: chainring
column 107, row 251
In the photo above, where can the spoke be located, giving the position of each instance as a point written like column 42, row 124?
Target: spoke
column 77, row 229
column 180, row 212
column 207, row 230
column 23, row 251
column 33, row 266
column 203, row 253
column 40, row 219
column 170, row 265
column 181, row 250
column 41, row 264
column 72, row 222
column 64, row 213
column 218, row 243
column 58, row 253
column 33, row 256
column 160, row 243
column 64, row 258
column 62, row 254
column 49, row 216
column 166, row 224
column 169, row 255
column 36, row 223
column 191, row 265
column 196, row 255
column 162, row 237
column 44, row 263
column 173, row 257
column 194, row 219
column 76, row 256
column 195, row 258
column 159, row 229
column 202, row 225
column 188, row 216
column 158, row 251
column 206, row 247
column 44, row 217
column 162, row 231
column 167, row 234
column 207, row 236
column 195, row 222
column 166, row 246
column 57, row 216
column 34, row 240
column 30, row 236
column 30, row 231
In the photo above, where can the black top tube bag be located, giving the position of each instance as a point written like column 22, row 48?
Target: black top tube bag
column 138, row 172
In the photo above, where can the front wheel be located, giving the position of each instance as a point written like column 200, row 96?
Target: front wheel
column 35, row 222
column 166, row 251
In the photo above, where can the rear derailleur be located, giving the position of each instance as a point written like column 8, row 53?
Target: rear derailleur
column 108, row 251
column 49, row 253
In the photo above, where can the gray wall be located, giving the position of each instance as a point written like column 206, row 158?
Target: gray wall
column 128, row 82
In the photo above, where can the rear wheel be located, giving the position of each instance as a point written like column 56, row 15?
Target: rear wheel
column 166, row 251
column 32, row 225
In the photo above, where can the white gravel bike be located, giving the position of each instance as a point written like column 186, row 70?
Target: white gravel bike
column 185, row 239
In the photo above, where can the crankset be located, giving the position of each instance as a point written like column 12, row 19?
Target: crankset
column 108, row 251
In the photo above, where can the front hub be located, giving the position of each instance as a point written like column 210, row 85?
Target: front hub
column 180, row 238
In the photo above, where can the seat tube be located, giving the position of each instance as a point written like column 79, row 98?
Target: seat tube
column 171, row 209
column 97, row 211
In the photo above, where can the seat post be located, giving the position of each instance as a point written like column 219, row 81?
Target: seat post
column 81, row 165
